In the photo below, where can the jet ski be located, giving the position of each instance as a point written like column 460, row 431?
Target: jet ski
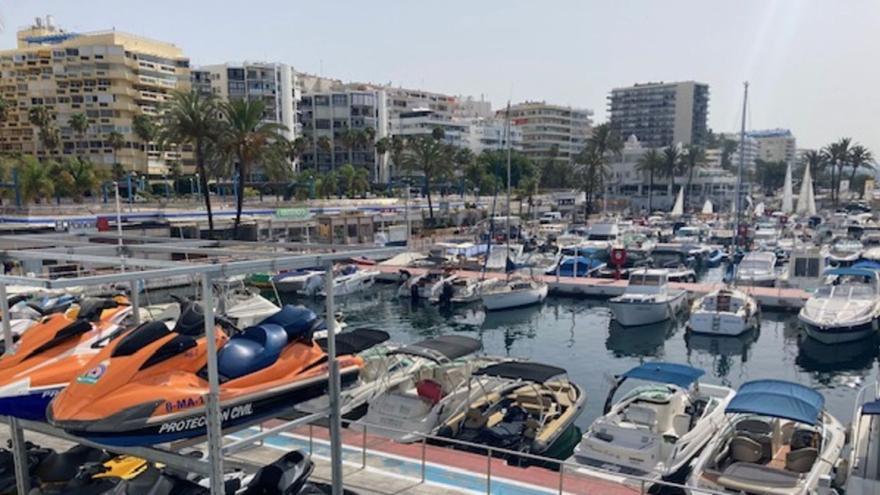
column 52, row 352
column 25, row 310
column 148, row 386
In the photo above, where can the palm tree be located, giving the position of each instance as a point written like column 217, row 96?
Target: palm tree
column 116, row 141
column 349, row 139
column 80, row 176
column 360, row 183
column 592, row 171
column 4, row 109
column 34, row 180
column 859, row 157
column 190, row 118
column 298, row 146
column 672, row 158
column 838, row 153
column 248, row 138
column 694, row 158
column 145, row 130
column 602, row 144
column 816, row 160
column 651, row 164
column 324, row 144
column 429, row 156
column 79, row 123
column 327, row 185
column 346, row 179
column 395, row 146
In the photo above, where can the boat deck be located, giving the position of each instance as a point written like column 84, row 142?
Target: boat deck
column 769, row 297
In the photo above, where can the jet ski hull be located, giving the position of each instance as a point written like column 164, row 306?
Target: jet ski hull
column 127, row 429
column 31, row 405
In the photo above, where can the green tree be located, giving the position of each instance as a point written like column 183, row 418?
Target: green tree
column 79, row 123
column 838, row 154
column 116, row 141
column 78, row 178
column 817, row 161
column 650, row 164
column 728, row 148
column 34, row 180
column 494, row 162
column 144, row 127
column 249, row 139
column 395, row 146
column 603, row 144
column 694, row 159
column 350, row 138
column 360, row 183
column 672, row 158
column 770, row 175
column 190, row 118
column 4, row 109
column 327, row 185
column 346, row 179
column 859, row 157
column 431, row 158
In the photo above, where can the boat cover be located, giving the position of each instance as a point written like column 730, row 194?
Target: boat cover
column 867, row 265
column 355, row 341
column 871, row 408
column 448, row 346
column 523, row 370
column 852, row 272
column 778, row 399
column 680, row 375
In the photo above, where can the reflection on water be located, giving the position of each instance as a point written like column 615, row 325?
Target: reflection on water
column 578, row 335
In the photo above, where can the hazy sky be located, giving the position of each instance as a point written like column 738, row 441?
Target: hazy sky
column 813, row 65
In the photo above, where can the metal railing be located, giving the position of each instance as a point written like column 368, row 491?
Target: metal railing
column 567, row 471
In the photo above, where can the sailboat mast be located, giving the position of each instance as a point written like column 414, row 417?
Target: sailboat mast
column 742, row 161
column 507, row 139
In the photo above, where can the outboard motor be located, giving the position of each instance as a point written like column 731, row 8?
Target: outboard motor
column 446, row 293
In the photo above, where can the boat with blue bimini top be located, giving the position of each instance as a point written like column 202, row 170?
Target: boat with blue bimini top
column 863, row 475
column 845, row 309
column 777, row 439
column 654, row 430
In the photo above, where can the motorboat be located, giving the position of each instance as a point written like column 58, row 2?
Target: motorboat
column 242, row 306
column 427, row 285
column 577, row 266
column 635, row 258
column 688, row 235
column 844, row 252
column 347, row 279
column 461, row 290
column 757, row 269
column 678, row 260
column 726, row 311
column 655, row 429
column 863, row 469
column 148, row 385
column 51, row 354
column 805, row 269
column 533, row 411
column 296, row 281
column 513, row 292
column 428, row 382
column 777, row 439
column 647, row 299
column 845, row 309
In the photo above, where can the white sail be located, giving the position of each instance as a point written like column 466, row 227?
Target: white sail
column 707, row 208
column 678, row 208
column 759, row 209
column 787, row 200
column 806, row 201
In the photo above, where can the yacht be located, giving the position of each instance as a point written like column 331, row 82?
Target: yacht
column 844, row 252
column 757, row 269
column 776, row 439
column 647, row 299
column 863, row 475
column 428, row 285
column 461, row 290
column 725, row 311
column 295, row 281
column 844, row 310
column 678, row 260
column 655, row 429
column 532, row 410
column 348, row 279
column 513, row 292
column 430, row 381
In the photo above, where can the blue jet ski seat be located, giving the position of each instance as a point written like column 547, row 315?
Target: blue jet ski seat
column 252, row 350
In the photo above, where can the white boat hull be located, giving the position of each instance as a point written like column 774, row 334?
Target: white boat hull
column 637, row 313
column 721, row 323
column 514, row 299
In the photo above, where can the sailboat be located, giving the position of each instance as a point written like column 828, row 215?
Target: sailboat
column 787, row 200
column 678, row 207
column 806, row 199
column 708, row 209
column 518, row 290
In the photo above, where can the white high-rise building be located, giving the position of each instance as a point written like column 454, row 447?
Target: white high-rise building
column 776, row 145
column 714, row 155
column 661, row 114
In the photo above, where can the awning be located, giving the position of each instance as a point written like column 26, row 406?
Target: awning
column 867, row 265
column 522, row 370
column 851, row 271
column 446, row 346
column 778, row 399
column 675, row 374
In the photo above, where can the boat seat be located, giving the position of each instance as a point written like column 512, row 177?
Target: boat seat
column 297, row 321
column 745, row 449
column 640, row 415
column 754, row 426
column 681, row 424
column 801, row 460
column 252, row 350
column 191, row 320
column 802, row 438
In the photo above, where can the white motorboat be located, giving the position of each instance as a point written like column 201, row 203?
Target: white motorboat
column 844, row 252
column 464, row 290
column 427, row 285
column 349, row 279
column 757, row 269
column 725, row 311
column 777, row 440
column 844, row 310
column 647, row 299
column 515, row 292
column 655, row 429
column 295, row 281
column 428, row 382
column 863, row 470
column 245, row 308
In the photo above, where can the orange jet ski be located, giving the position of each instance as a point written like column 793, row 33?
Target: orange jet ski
column 149, row 385
column 52, row 352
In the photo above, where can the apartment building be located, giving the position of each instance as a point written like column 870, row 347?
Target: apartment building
column 661, row 114
column 475, row 134
column 110, row 76
column 324, row 116
column 776, row 145
column 274, row 84
column 714, row 155
column 545, row 127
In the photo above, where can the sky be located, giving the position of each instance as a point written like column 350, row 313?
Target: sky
column 812, row 65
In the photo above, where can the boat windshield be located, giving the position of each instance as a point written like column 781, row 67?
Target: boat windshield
column 754, row 264
column 652, row 280
column 846, row 291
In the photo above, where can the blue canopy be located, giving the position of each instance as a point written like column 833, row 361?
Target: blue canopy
column 675, row 374
column 851, row 271
column 778, row 399
column 867, row 265
column 871, row 408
